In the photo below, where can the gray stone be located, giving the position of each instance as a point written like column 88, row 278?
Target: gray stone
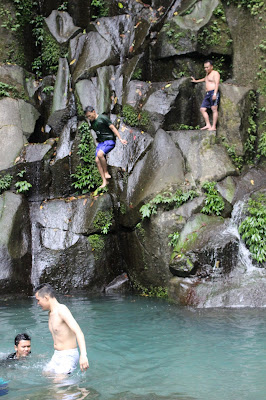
column 61, row 26
column 205, row 159
column 11, row 144
column 15, row 244
column 123, row 33
column 127, row 156
column 28, row 117
column 160, row 168
column 36, row 152
column 183, row 39
column 95, row 53
column 234, row 112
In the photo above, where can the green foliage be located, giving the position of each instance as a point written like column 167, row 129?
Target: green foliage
column 5, row 182
column 11, row 91
column 214, row 203
column 99, row 9
column 135, row 118
column 173, row 35
column 63, row 6
column 22, row 186
column 254, row 6
column 253, row 228
column 173, row 239
column 48, row 89
column 183, row 127
column 137, row 74
column 97, row 245
column 250, row 144
column 103, row 221
column 86, row 176
column 238, row 161
column 262, row 145
column 166, row 200
column 152, row 291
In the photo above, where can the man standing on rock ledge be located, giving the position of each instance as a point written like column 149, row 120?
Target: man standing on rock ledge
column 106, row 133
column 212, row 97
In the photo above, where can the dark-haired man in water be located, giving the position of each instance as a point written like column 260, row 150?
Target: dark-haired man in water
column 22, row 347
column 212, row 97
column 106, row 133
column 65, row 332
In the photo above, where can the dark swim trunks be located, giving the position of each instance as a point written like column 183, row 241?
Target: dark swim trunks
column 208, row 102
column 105, row 146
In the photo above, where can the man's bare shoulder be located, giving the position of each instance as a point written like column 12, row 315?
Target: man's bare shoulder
column 63, row 310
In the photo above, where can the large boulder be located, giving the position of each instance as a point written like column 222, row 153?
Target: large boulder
column 95, row 52
column 15, row 244
column 201, row 30
column 61, row 26
column 205, row 159
column 69, row 248
column 17, row 123
column 234, row 114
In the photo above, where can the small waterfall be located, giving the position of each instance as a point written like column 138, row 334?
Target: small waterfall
column 244, row 256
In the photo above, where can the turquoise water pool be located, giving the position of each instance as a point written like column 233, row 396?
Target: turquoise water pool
column 141, row 348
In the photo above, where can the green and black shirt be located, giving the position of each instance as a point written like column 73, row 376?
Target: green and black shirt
column 101, row 127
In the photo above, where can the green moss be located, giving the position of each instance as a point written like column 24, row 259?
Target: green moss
column 97, row 245
column 100, row 8
column 103, row 221
column 135, row 118
column 137, row 74
column 151, row 291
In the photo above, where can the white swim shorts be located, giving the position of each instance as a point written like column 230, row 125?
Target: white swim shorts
column 63, row 361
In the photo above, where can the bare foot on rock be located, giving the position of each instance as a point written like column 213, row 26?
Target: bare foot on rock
column 107, row 176
column 205, row 128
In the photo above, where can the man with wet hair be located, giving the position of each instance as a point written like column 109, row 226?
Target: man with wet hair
column 22, row 347
column 106, row 133
column 212, row 97
column 65, row 332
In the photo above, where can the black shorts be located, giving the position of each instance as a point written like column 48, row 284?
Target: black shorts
column 208, row 102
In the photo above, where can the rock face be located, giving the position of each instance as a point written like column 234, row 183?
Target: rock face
column 15, row 244
column 157, row 226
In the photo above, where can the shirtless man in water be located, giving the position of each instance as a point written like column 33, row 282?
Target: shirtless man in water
column 212, row 97
column 65, row 332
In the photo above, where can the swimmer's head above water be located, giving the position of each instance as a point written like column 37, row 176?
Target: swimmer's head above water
column 22, row 346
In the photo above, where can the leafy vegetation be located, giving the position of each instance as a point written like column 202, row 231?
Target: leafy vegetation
column 11, row 91
column 22, row 186
column 97, row 245
column 173, row 239
column 86, row 176
column 152, row 291
column 253, row 228
column 254, row 6
column 238, row 161
column 5, row 182
column 103, row 221
column 135, row 118
column 214, row 203
column 166, row 200
column 99, row 9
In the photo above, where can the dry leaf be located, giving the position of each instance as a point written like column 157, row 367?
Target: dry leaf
column 168, row 85
column 17, row 159
column 137, row 24
column 134, row 138
column 41, row 207
column 85, row 201
column 252, row 182
column 73, row 61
